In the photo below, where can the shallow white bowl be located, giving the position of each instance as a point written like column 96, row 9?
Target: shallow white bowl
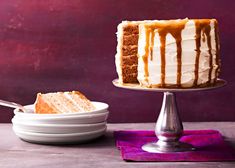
column 70, row 119
column 56, row 128
column 58, row 138
column 100, row 108
column 97, row 116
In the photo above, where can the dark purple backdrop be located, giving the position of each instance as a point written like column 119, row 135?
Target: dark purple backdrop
column 58, row 45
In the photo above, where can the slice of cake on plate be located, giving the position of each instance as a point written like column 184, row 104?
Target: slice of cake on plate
column 182, row 53
column 62, row 102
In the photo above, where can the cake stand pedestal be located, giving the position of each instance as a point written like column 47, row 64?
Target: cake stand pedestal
column 169, row 127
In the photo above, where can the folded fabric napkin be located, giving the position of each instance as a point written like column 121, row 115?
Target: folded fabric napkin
column 209, row 145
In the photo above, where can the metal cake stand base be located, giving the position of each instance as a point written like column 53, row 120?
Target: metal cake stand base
column 169, row 127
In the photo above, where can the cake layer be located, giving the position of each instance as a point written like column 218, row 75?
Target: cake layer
column 130, row 40
column 178, row 53
column 130, row 60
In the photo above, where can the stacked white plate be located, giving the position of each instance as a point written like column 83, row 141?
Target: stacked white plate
column 60, row 128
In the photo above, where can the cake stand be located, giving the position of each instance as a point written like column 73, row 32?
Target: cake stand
column 169, row 127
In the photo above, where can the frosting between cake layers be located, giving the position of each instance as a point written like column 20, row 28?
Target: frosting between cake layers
column 181, row 54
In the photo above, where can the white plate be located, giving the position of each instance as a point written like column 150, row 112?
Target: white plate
column 56, row 128
column 73, row 119
column 100, row 108
column 58, row 138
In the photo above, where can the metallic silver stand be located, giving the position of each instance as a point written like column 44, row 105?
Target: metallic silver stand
column 169, row 127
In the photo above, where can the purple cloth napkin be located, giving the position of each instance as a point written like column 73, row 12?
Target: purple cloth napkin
column 209, row 145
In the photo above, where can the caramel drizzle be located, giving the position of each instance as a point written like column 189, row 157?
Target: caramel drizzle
column 174, row 28
column 178, row 38
column 145, row 57
column 207, row 31
column 162, row 35
column 198, row 51
column 217, row 48
column 202, row 27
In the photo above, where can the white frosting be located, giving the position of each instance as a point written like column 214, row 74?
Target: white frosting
column 188, row 45
column 118, row 56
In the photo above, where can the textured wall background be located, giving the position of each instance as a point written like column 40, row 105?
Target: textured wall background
column 59, row 45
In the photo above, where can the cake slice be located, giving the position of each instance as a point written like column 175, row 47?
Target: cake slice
column 62, row 102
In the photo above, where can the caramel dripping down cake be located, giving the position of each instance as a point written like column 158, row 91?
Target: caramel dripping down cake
column 62, row 102
column 182, row 53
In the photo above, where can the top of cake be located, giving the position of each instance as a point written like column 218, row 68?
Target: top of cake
column 62, row 102
column 169, row 53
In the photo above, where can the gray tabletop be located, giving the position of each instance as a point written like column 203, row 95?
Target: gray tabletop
column 102, row 152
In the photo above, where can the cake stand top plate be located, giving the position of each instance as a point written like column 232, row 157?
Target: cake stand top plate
column 219, row 83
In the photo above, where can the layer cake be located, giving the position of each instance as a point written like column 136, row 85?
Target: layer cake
column 180, row 53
